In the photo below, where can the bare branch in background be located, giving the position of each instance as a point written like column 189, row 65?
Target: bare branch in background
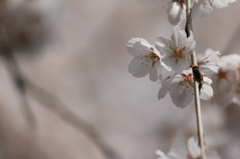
column 61, row 110
column 14, row 71
column 50, row 102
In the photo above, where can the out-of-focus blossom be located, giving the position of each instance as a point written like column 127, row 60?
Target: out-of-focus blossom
column 203, row 8
column 146, row 59
column 177, row 51
column 176, row 11
column 181, row 151
column 226, row 83
column 207, row 67
column 180, row 88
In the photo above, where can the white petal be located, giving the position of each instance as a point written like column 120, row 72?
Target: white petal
column 206, row 92
column 176, row 13
column 136, row 46
column 183, row 64
column 190, row 46
column 207, row 80
column 201, row 8
column 154, row 73
column 161, row 42
column 231, row 1
column 179, row 151
column 137, row 68
column 181, row 98
column 208, row 68
column 209, row 53
column 220, row 3
column 176, row 34
column 193, row 148
column 165, row 84
column 161, row 155
column 134, row 65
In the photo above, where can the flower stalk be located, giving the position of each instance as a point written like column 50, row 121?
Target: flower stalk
column 200, row 132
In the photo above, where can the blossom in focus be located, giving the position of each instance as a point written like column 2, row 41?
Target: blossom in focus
column 226, row 84
column 146, row 59
column 203, row 8
column 176, row 11
column 181, row 88
column 176, row 53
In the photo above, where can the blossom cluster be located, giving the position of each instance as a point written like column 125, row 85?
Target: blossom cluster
column 181, row 151
column 227, row 82
column 201, row 8
column 174, row 55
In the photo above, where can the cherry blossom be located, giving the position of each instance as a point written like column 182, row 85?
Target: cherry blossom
column 203, row 8
column 176, row 11
column 176, row 53
column 146, row 59
column 227, row 82
column 180, row 88
column 206, row 66
column 181, row 151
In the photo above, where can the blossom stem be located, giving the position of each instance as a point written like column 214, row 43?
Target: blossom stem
column 188, row 29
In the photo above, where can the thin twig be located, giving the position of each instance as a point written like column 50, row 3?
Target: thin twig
column 14, row 71
column 188, row 29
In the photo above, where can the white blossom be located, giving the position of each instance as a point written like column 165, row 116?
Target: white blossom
column 227, row 82
column 203, row 8
column 180, row 88
column 176, row 11
column 191, row 151
column 176, row 53
column 146, row 59
column 206, row 66
column 161, row 155
column 181, row 151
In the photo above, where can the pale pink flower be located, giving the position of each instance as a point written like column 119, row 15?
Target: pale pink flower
column 176, row 11
column 146, row 59
column 180, row 88
column 206, row 66
column 176, row 53
column 203, row 8
column 181, row 151
column 227, row 82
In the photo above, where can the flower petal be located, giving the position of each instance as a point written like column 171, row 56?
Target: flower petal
column 154, row 73
column 161, row 154
column 180, row 97
column 165, row 84
column 206, row 92
column 136, row 46
column 176, row 14
column 193, row 148
column 179, row 151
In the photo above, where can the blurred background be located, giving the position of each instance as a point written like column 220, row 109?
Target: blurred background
column 65, row 88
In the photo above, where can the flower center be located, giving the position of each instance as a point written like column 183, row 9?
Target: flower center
column 177, row 52
column 208, row 4
column 222, row 74
column 150, row 57
column 187, row 82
